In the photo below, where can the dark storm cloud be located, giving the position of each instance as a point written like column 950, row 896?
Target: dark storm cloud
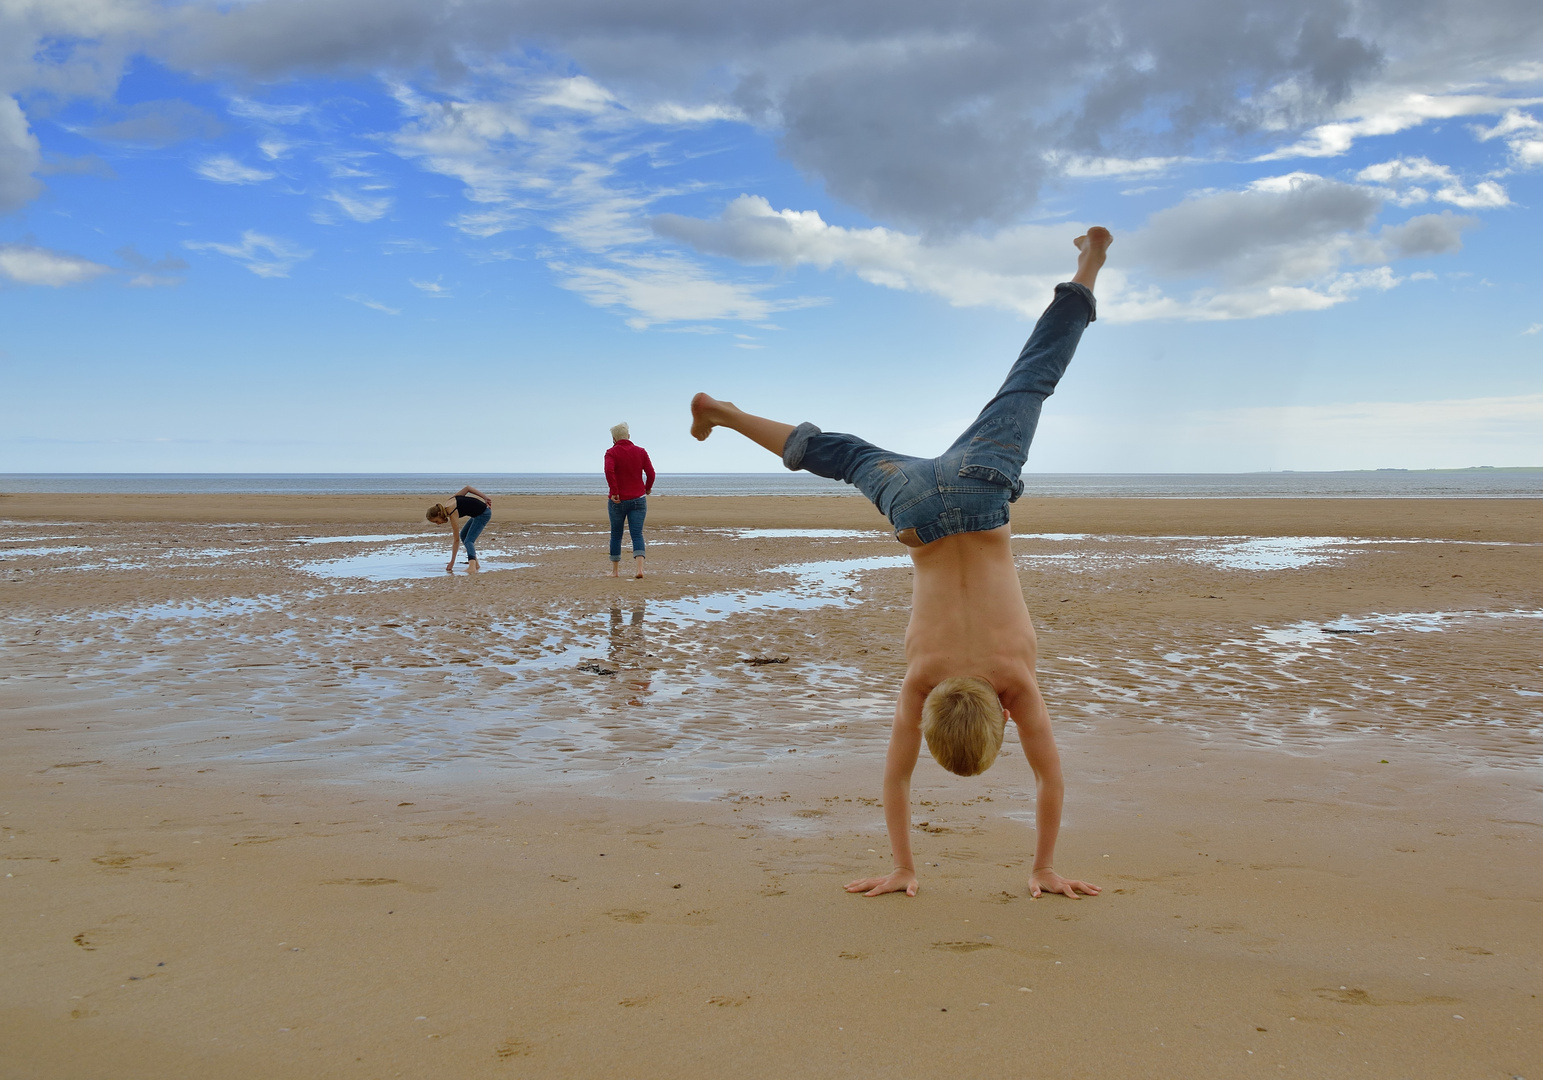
column 1428, row 234
column 1254, row 235
column 938, row 116
column 931, row 115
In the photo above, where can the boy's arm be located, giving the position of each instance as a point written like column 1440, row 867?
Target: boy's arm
column 1039, row 747
column 905, row 740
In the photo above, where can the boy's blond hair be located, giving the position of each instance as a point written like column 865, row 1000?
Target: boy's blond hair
column 962, row 721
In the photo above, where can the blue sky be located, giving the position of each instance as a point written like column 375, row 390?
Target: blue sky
column 401, row 236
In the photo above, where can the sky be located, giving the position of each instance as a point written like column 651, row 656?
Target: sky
column 415, row 236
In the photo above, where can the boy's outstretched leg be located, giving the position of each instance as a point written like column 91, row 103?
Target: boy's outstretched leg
column 708, row 413
column 1094, row 247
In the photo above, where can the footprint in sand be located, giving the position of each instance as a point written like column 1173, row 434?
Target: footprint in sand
column 628, row 916
column 512, row 1048
column 961, row 946
column 119, row 862
column 362, row 881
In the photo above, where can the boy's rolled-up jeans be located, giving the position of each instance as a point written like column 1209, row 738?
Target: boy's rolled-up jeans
column 969, row 487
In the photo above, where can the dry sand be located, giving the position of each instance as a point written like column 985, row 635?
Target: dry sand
column 262, row 818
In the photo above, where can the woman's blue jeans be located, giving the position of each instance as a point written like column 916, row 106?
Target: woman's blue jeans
column 631, row 513
column 473, row 529
column 969, row 486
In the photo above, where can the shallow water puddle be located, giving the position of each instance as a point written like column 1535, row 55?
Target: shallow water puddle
column 194, row 609
column 401, row 562
column 1309, row 635
column 812, row 534
column 374, row 538
column 1321, row 679
column 820, row 584
column 832, row 583
column 1248, row 553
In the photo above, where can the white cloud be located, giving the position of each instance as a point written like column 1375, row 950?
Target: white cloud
column 265, row 256
column 1411, row 180
column 664, row 289
column 28, row 265
column 274, row 149
column 580, row 93
column 248, row 109
column 433, row 288
column 1523, row 135
column 224, row 169
column 1384, row 113
column 1534, row 328
column 1080, row 167
column 19, row 157
column 1274, row 248
column 552, row 156
column 1291, row 243
column 373, row 305
column 361, row 208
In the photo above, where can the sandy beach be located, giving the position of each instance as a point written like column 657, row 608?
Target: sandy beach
column 545, row 823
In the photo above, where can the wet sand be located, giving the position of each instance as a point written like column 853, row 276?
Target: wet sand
column 272, row 808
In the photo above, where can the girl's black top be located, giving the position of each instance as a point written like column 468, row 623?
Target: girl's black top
column 469, row 507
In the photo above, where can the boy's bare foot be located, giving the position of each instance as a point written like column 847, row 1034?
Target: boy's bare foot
column 706, row 414
column 1094, row 248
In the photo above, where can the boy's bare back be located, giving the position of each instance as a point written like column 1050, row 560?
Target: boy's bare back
column 968, row 616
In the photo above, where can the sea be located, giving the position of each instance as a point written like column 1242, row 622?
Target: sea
column 1477, row 483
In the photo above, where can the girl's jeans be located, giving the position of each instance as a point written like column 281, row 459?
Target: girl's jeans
column 632, row 512
column 473, row 529
column 969, row 487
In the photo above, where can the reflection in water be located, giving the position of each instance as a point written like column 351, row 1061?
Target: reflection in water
column 627, row 642
column 629, row 650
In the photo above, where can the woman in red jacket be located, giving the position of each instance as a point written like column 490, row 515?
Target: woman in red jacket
column 630, row 476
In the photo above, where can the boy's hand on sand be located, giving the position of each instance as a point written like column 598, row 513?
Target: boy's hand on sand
column 896, row 881
column 1049, row 881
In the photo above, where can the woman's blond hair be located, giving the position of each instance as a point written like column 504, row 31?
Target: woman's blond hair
column 962, row 721
column 621, row 431
column 437, row 514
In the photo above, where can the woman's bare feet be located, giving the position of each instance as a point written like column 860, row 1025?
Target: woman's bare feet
column 706, row 414
column 638, row 562
column 472, row 566
column 1094, row 247
column 616, row 569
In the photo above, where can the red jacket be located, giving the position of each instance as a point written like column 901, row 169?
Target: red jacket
column 625, row 464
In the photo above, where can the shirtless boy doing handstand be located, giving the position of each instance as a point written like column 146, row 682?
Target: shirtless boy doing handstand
column 969, row 648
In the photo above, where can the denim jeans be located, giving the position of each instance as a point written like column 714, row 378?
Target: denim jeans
column 632, row 512
column 473, row 529
column 967, row 488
